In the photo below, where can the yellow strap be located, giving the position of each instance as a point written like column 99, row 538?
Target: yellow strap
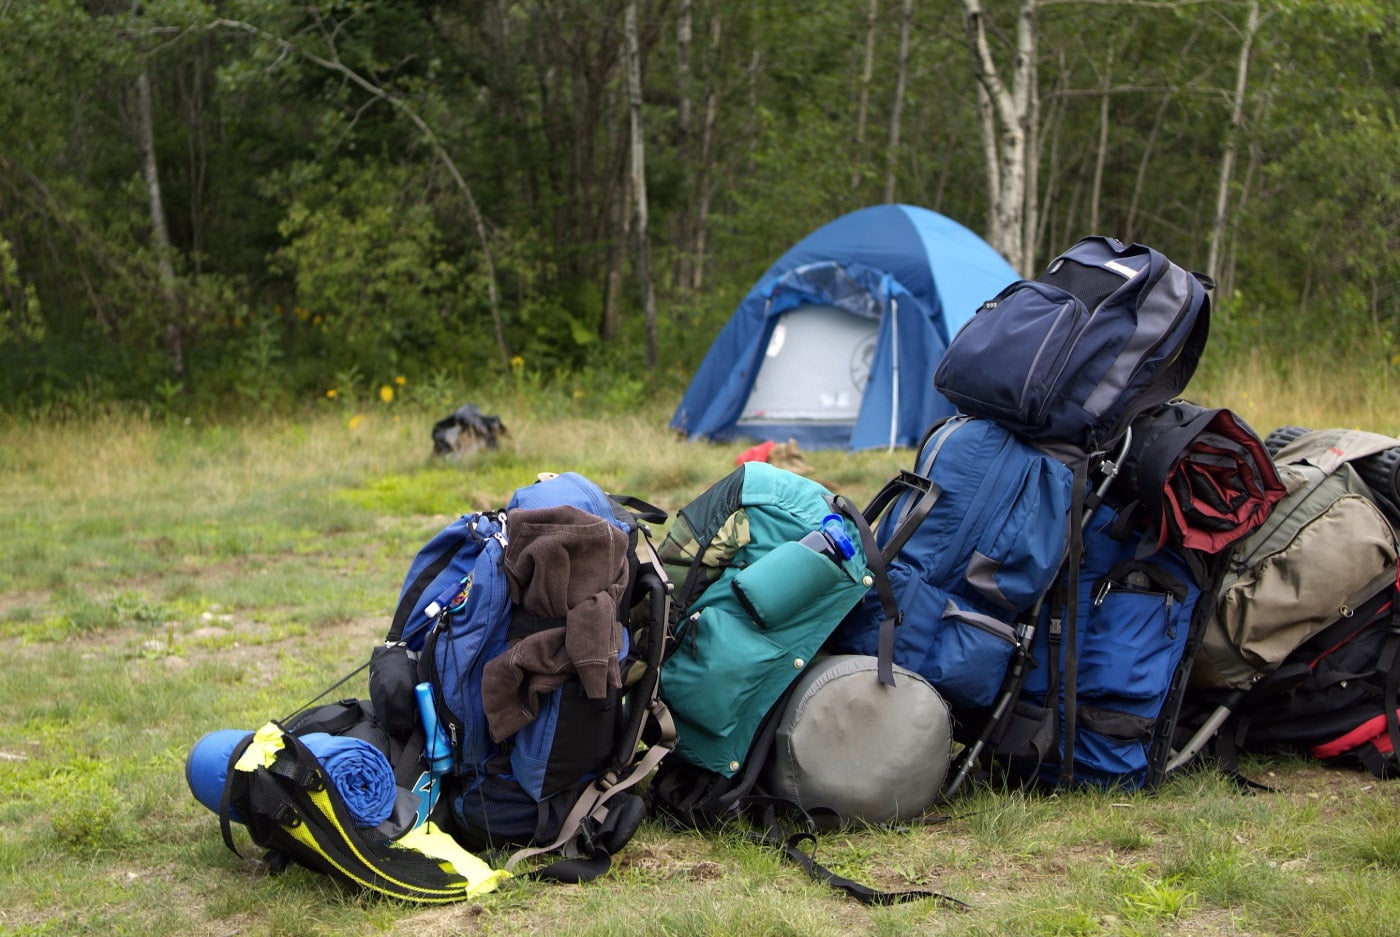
column 431, row 841
column 262, row 751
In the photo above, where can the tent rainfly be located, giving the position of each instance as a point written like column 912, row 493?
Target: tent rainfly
column 836, row 344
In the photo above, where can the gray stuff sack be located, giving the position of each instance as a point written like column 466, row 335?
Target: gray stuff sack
column 850, row 750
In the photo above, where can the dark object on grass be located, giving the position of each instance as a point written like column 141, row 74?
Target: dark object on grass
column 466, row 430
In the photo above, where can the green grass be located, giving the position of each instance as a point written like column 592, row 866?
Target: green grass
column 161, row 580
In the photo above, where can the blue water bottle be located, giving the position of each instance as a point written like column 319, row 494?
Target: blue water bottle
column 831, row 540
column 437, row 749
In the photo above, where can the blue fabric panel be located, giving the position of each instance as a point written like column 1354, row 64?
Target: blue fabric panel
column 997, row 530
column 568, row 488
column 967, row 269
column 438, row 572
column 959, row 644
column 807, row 434
column 989, row 547
column 909, row 347
column 1132, row 630
column 475, row 635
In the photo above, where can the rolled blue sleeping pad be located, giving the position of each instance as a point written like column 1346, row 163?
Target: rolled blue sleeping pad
column 360, row 773
column 206, row 766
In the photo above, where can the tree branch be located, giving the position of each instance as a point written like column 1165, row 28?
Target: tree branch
column 403, row 107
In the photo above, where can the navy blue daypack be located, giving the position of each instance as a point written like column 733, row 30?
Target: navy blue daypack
column 540, row 629
column 1138, row 628
column 1108, row 331
column 972, row 538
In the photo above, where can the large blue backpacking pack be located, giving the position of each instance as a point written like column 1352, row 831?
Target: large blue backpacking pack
column 539, row 630
column 1139, row 623
column 1068, row 361
column 1106, row 332
column 512, row 705
column 972, row 537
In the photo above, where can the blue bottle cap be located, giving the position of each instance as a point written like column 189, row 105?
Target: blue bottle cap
column 835, row 528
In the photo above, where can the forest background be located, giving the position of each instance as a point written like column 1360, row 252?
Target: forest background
column 217, row 207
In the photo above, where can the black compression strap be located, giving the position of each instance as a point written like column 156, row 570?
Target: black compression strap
column 880, row 572
column 1071, row 621
column 791, row 847
column 1390, row 699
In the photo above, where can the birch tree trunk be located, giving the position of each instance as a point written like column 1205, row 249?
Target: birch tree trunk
column 987, row 124
column 707, row 182
column 1005, row 112
column 867, row 73
column 897, row 107
column 684, row 39
column 1227, row 161
column 685, row 217
column 1100, row 153
column 160, row 232
column 639, row 180
column 1030, row 217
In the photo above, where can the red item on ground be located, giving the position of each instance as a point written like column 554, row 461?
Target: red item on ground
column 758, row 453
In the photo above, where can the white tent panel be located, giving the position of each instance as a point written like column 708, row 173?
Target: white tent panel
column 816, row 367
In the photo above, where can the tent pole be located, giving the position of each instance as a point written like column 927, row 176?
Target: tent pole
column 894, row 390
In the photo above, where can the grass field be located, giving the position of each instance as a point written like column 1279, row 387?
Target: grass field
column 159, row 580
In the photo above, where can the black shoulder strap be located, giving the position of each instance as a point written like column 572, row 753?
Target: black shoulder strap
column 226, row 799
column 642, row 510
column 879, row 571
column 919, row 481
column 903, row 482
column 789, row 844
column 1070, row 673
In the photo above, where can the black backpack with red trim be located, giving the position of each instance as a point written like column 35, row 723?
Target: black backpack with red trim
column 1336, row 696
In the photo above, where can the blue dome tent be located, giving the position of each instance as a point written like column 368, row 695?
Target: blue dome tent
column 836, row 344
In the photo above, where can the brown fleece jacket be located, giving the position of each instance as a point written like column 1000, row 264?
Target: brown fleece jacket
column 560, row 563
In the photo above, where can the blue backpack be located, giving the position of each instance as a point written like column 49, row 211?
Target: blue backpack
column 1069, row 361
column 539, row 630
column 972, row 537
column 1107, row 332
column 1109, row 720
